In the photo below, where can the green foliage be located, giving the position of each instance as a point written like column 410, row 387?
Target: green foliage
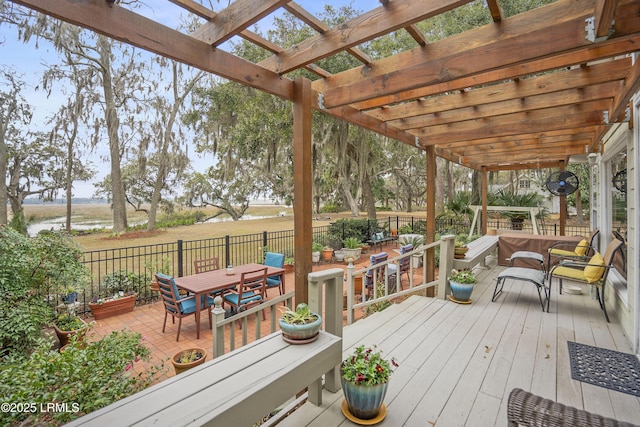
column 190, row 356
column 123, row 280
column 367, row 367
column 301, row 316
column 316, row 247
column 175, row 219
column 463, row 276
column 29, row 269
column 352, row 243
column 345, row 228
column 329, row 207
column 87, row 376
column 69, row 322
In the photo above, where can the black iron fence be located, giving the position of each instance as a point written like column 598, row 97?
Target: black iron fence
column 176, row 258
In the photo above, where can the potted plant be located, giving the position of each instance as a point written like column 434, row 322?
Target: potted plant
column 339, row 255
column 300, row 326
column 461, row 283
column 154, row 266
column 364, row 377
column 352, row 248
column 461, row 248
column 117, row 294
column 327, row 253
column 68, row 324
column 289, row 264
column 187, row 359
column 316, row 248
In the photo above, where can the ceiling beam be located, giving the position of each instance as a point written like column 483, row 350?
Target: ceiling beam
column 565, row 117
column 299, row 12
column 544, row 84
column 550, row 40
column 603, row 17
column 382, row 20
column 621, row 100
column 239, row 15
column 606, row 49
column 523, row 166
column 129, row 27
column 458, row 44
column 496, row 11
column 573, row 97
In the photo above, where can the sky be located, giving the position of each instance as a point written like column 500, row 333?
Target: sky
column 29, row 62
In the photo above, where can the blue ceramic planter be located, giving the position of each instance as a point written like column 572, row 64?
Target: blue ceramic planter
column 301, row 332
column 461, row 291
column 364, row 401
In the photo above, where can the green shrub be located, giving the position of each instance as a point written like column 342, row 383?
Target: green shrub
column 123, row 280
column 86, row 378
column 345, row 228
column 30, row 268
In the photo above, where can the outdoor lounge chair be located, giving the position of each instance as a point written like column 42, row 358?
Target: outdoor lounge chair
column 527, row 409
column 582, row 251
column 594, row 272
column 273, row 259
column 177, row 305
column 377, row 274
column 403, row 267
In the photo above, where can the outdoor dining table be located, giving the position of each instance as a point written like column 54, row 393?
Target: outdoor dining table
column 214, row 280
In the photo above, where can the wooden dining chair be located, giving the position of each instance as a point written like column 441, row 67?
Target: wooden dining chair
column 250, row 292
column 273, row 259
column 206, row 264
column 177, row 305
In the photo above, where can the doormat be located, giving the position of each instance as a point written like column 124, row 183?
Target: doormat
column 605, row 368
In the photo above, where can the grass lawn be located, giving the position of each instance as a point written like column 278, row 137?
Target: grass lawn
column 198, row 231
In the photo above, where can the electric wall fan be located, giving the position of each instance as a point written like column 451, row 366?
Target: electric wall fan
column 562, row 183
column 619, row 181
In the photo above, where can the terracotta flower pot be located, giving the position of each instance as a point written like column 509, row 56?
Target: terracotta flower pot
column 65, row 336
column 113, row 307
column 184, row 366
column 327, row 254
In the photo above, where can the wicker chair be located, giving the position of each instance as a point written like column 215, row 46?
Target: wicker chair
column 526, row 409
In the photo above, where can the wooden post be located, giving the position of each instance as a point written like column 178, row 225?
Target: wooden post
column 302, row 185
column 563, row 207
column 484, row 185
column 447, row 246
column 431, row 214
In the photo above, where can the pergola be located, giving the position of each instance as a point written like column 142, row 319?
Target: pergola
column 524, row 92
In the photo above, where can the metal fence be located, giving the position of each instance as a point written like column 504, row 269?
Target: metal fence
column 176, row 258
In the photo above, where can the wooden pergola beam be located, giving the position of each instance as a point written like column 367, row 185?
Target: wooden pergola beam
column 239, row 15
column 126, row 26
column 551, row 39
column 382, row 20
column 587, row 114
column 545, row 84
column 572, row 97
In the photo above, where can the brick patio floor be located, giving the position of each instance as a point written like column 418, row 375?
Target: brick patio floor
column 147, row 320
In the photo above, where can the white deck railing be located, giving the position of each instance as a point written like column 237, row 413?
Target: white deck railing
column 393, row 290
column 241, row 320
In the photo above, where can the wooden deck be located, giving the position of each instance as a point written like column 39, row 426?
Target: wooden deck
column 458, row 363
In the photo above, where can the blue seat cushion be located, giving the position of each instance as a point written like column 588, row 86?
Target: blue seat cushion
column 272, row 282
column 273, row 259
column 247, row 297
